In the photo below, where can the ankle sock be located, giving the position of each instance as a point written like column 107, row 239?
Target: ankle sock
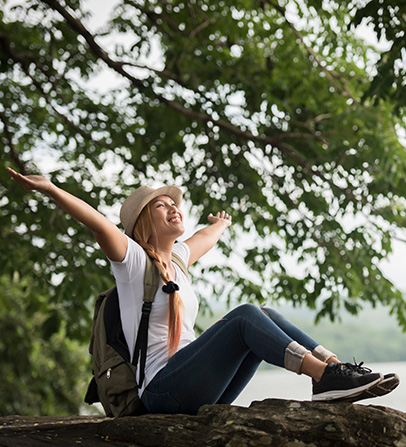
column 323, row 354
column 294, row 355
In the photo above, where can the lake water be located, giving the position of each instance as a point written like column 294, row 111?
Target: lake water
column 282, row 384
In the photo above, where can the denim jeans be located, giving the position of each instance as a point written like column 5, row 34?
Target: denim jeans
column 217, row 366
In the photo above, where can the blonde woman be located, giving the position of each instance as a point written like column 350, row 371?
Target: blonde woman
column 184, row 372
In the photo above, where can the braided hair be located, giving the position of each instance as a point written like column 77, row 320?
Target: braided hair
column 142, row 233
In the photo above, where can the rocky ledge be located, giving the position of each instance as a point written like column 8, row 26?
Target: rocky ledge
column 272, row 422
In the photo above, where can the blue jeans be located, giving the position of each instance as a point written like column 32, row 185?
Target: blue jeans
column 217, row 366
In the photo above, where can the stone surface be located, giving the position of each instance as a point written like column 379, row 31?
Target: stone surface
column 272, row 422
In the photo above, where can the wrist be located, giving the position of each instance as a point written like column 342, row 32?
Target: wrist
column 221, row 223
column 51, row 190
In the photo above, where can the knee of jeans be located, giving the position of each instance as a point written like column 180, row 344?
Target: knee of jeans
column 247, row 309
column 273, row 314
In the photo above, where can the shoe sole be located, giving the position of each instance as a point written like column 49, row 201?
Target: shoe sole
column 387, row 385
column 345, row 394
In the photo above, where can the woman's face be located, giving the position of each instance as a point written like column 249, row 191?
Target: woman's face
column 167, row 217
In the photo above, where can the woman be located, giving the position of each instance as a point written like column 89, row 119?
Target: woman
column 182, row 372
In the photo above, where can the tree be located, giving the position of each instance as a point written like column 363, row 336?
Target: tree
column 254, row 105
column 42, row 369
column 388, row 21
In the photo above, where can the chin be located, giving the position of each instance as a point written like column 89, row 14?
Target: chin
column 180, row 231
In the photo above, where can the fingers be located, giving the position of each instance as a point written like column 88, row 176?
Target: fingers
column 223, row 215
column 15, row 175
column 30, row 182
column 220, row 215
column 19, row 178
column 11, row 172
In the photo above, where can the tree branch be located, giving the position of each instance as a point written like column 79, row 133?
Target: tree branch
column 329, row 74
column 202, row 117
column 199, row 28
column 26, row 58
column 75, row 24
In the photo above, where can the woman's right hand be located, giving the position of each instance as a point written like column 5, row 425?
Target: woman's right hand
column 31, row 182
column 112, row 241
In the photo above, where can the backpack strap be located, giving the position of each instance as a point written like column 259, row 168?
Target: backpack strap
column 180, row 263
column 151, row 282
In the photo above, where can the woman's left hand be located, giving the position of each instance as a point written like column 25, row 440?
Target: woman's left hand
column 220, row 217
column 203, row 240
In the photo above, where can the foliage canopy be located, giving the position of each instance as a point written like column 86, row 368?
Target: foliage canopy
column 274, row 110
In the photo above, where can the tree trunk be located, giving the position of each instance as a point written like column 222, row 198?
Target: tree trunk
column 272, row 422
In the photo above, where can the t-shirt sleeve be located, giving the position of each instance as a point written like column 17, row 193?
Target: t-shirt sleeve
column 134, row 261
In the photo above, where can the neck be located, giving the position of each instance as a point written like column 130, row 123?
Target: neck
column 166, row 255
column 165, row 252
column 164, row 249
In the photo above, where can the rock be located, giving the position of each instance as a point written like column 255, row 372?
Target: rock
column 272, row 422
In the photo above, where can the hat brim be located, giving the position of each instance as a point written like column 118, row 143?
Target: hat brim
column 171, row 191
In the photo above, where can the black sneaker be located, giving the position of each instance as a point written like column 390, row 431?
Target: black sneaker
column 388, row 384
column 339, row 382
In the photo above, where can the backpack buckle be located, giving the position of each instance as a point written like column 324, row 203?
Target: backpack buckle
column 146, row 308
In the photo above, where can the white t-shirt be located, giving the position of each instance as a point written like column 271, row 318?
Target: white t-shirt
column 129, row 275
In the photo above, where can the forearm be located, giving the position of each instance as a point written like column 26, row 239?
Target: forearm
column 112, row 241
column 78, row 209
column 212, row 233
column 205, row 239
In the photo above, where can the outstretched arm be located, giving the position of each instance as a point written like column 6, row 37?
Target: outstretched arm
column 110, row 238
column 203, row 240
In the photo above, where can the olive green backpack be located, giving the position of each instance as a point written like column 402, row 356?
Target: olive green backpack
column 114, row 382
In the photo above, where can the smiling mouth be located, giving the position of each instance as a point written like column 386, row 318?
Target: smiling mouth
column 175, row 219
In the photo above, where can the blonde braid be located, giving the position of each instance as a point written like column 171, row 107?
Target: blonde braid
column 142, row 233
